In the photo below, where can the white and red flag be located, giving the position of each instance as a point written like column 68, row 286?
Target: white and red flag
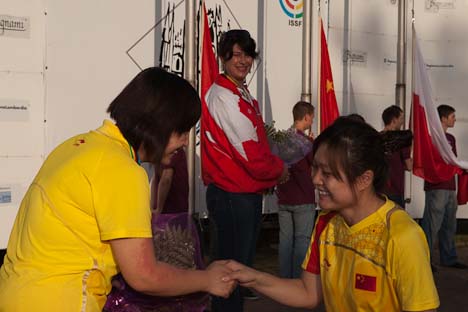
column 433, row 158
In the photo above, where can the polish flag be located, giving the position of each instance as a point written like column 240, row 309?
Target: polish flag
column 433, row 158
column 462, row 196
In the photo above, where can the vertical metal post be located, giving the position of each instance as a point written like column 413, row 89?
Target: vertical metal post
column 189, row 75
column 306, row 94
column 400, row 88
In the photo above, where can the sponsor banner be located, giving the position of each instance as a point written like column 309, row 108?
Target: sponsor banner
column 14, row 110
column 14, row 26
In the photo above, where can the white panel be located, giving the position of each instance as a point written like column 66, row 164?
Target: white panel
column 283, row 59
column 377, row 74
column 22, row 134
column 23, row 54
column 87, row 61
column 443, row 23
column 414, row 189
column 376, row 17
column 16, row 175
column 21, row 105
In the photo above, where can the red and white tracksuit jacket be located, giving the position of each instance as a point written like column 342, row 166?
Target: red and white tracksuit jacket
column 235, row 154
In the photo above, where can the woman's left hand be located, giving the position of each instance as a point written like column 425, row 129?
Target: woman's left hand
column 219, row 282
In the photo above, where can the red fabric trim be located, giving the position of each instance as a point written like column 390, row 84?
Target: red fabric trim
column 313, row 265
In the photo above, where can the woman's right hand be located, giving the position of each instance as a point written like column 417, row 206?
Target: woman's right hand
column 245, row 276
column 219, row 282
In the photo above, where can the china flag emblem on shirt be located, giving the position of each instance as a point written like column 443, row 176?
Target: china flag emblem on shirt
column 365, row 282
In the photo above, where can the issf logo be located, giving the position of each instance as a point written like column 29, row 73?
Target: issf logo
column 293, row 9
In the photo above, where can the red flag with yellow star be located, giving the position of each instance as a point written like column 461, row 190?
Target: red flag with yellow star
column 328, row 106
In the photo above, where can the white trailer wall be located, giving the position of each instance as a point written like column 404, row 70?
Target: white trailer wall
column 65, row 71
column 87, row 63
column 58, row 75
column 365, row 81
column 22, row 47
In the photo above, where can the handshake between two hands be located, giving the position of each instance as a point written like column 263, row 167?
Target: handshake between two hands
column 225, row 275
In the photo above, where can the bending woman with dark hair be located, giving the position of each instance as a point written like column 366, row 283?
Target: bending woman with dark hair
column 86, row 215
column 366, row 253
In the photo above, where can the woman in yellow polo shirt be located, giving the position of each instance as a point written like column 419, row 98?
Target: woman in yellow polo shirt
column 366, row 253
column 86, row 215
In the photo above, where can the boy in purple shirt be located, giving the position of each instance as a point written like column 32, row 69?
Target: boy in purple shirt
column 440, row 210
column 296, row 201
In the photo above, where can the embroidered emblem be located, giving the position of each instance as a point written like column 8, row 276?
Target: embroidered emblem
column 79, row 142
column 365, row 282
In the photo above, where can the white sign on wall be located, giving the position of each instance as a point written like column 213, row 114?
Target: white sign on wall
column 14, row 110
column 14, row 26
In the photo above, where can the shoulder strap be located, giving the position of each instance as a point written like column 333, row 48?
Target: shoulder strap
column 390, row 213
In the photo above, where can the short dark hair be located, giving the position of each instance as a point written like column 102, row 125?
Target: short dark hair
column 151, row 107
column 301, row 109
column 391, row 113
column 354, row 147
column 355, row 117
column 236, row 36
column 445, row 110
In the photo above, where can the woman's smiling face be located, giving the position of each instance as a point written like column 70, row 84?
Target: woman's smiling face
column 238, row 67
column 334, row 194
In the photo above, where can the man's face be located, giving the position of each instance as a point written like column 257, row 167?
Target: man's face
column 398, row 122
column 449, row 121
column 309, row 119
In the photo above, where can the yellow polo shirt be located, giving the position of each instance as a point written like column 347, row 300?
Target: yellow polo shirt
column 379, row 264
column 89, row 191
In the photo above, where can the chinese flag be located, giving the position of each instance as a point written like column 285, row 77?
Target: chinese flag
column 365, row 282
column 433, row 158
column 209, row 65
column 328, row 106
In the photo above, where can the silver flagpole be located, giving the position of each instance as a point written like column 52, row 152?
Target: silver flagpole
column 400, row 88
column 306, row 94
column 189, row 75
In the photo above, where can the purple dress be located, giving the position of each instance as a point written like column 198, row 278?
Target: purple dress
column 176, row 242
